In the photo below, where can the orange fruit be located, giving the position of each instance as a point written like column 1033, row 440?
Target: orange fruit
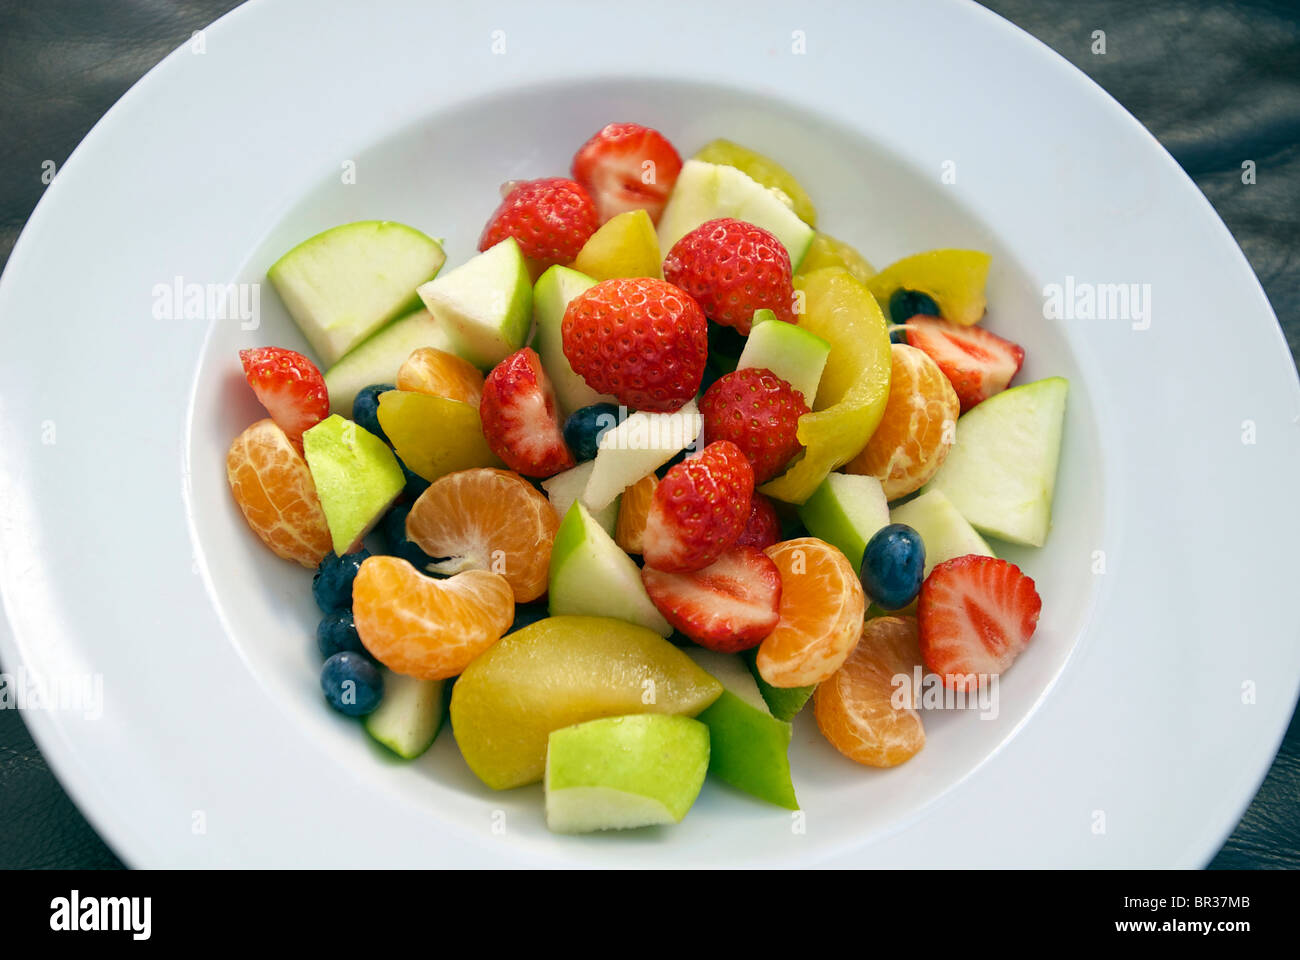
column 273, row 487
column 822, row 605
column 441, row 374
column 426, row 628
column 487, row 519
column 855, row 709
column 917, row 429
column 633, row 510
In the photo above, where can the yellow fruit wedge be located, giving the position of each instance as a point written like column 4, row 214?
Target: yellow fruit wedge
column 764, row 170
column 854, row 386
column 434, row 436
column 626, row 246
column 558, row 672
column 954, row 278
column 826, row 251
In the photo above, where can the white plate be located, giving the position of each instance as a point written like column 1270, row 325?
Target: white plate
column 123, row 555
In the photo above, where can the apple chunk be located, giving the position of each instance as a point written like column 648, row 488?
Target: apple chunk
column 485, row 304
column 357, row 478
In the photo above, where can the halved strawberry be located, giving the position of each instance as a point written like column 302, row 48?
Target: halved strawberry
column 729, row 606
column 627, row 167
column 978, row 363
column 976, row 614
column 289, row 386
column 699, row 509
column 520, row 420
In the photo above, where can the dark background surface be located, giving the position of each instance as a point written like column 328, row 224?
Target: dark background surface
column 1217, row 83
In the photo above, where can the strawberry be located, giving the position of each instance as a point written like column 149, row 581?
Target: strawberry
column 641, row 340
column 763, row 527
column 976, row 614
column 733, row 268
column 758, row 412
column 978, row 363
column 550, row 219
column 520, row 420
column 627, row 167
column 699, row 509
column 728, row 606
column 289, row 386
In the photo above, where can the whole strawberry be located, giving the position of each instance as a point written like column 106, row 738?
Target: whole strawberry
column 289, row 386
column 520, row 420
column 699, row 509
column 733, row 268
column 758, row 412
column 641, row 340
column 550, row 219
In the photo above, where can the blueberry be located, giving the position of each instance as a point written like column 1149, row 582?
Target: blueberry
column 337, row 633
column 393, row 529
column 583, row 429
column 527, row 614
column 365, row 409
column 898, row 334
column 332, row 584
column 725, row 346
column 892, row 566
column 905, row 304
column 415, row 484
column 351, row 683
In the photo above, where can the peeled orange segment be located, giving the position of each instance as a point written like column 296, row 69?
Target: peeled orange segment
column 919, row 425
column 434, row 436
column 441, row 374
column 954, row 278
column 426, row 628
column 826, row 251
column 821, row 611
column 854, row 386
column 273, row 487
column 855, row 709
column 633, row 511
column 486, row 519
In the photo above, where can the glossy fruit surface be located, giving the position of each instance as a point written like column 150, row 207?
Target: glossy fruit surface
column 728, row 606
column 953, row 279
column 521, row 419
column 352, row 684
column 627, row 167
column 633, row 511
column 584, row 428
column 893, row 566
column 977, row 362
column 365, row 408
column 758, row 412
column 826, row 251
column 441, row 374
column 733, row 268
column 699, row 509
column 331, row 584
column 289, row 386
column 763, row 528
column 906, row 304
column 434, row 436
column 550, row 219
column 764, row 170
column 337, row 633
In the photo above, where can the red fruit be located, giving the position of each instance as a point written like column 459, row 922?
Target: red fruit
column 733, row 268
column 627, row 167
column 976, row 614
column 978, row 363
column 729, row 606
column 758, row 412
column 520, row 420
column 642, row 340
column 550, row 219
column 699, row 509
column 289, row 386
column 763, row 527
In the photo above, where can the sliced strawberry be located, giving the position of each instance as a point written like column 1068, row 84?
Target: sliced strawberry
column 978, row 363
column 764, row 526
column 627, row 167
column 699, row 509
column 729, row 606
column 289, row 386
column 520, row 419
column 976, row 614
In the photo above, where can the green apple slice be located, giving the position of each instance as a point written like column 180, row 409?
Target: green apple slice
column 356, row 475
column 763, row 169
column 378, row 358
column 943, row 530
column 409, row 717
column 591, row 576
column 795, row 355
column 1001, row 472
column 846, row 511
column 485, row 304
column 705, row 191
column 622, row 772
column 749, row 747
column 342, row 285
column 566, row 487
column 555, row 288
column 638, row 446
column 784, row 702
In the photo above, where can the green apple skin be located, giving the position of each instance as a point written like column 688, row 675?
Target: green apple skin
column 566, row 487
column 750, row 748
column 637, row 447
column 410, row 715
column 342, row 285
column 378, row 358
column 357, row 478
column 619, row 773
column 795, row 355
column 485, row 304
column 1000, row 473
column 551, row 296
column 943, row 530
column 784, row 702
column 846, row 511
column 591, row 576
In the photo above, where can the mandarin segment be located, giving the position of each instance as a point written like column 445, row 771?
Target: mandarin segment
column 441, row 374
column 633, row 509
column 855, row 708
column 270, row 481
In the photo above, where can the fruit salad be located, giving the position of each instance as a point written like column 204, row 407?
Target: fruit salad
column 658, row 465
